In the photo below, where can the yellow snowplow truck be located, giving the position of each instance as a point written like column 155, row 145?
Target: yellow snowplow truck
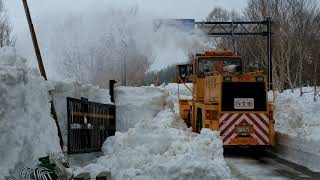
column 226, row 99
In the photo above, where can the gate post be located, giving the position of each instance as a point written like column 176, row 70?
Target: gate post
column 111, row 89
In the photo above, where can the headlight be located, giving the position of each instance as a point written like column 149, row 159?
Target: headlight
column 259, row 79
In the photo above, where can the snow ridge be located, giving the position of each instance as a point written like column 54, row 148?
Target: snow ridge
column 161, row 147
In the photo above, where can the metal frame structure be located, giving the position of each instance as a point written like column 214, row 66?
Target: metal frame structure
column 239, row 28
column 89, row 124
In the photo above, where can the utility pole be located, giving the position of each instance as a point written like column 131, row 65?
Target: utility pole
column 34, row 40
column 40, row 64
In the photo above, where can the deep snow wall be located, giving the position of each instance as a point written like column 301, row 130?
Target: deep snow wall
column 135, row 104
column 27, row 130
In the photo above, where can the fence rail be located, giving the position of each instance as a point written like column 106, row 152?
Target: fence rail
column 89, row 124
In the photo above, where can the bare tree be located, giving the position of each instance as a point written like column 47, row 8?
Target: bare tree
column 292, row 22
column 218, row 14
column 6, row 37
column 295, row 40
column 100, row 61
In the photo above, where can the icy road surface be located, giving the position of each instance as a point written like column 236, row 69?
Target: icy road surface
column 247, row 164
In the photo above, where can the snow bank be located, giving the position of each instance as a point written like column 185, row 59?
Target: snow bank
column 184, row 93
column 74, row 89
column 135, row 104
column 27, row 130
column 298, row 128
column 298, row 116
column 158, row 146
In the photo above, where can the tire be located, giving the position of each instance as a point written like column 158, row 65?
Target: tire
column 199, row 121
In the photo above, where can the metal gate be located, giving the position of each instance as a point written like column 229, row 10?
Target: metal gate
column 89, row 124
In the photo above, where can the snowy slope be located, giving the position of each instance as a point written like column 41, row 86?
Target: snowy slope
column 159, row 145
column 27, row 130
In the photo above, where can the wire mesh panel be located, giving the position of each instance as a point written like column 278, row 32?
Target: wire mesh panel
column 89, row 124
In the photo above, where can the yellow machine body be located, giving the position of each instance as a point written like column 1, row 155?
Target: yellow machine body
column 227, row 100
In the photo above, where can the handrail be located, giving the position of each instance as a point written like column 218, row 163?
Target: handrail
column 184, row 84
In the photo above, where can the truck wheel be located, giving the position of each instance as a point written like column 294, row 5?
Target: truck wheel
column 199, row 121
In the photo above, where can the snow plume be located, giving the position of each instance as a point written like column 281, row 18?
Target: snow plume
column 26, row 127
column 159, row 146
column 92, row 46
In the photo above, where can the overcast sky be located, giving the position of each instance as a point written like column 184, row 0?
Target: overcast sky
column 197, row 9
column 50, row 14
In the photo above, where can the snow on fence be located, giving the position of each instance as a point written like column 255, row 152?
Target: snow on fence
column 89, row 124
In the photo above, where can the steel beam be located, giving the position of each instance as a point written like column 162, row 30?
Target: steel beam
column 242, row 28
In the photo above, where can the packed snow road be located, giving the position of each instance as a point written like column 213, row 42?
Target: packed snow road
column 248, row 164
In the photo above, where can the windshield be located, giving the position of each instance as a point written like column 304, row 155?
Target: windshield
column 185, row 70
column 208, row 66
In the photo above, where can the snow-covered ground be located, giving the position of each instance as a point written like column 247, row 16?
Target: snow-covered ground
column 152, row 142
column 27, row 130
column 158, row 145
column 298, row 127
